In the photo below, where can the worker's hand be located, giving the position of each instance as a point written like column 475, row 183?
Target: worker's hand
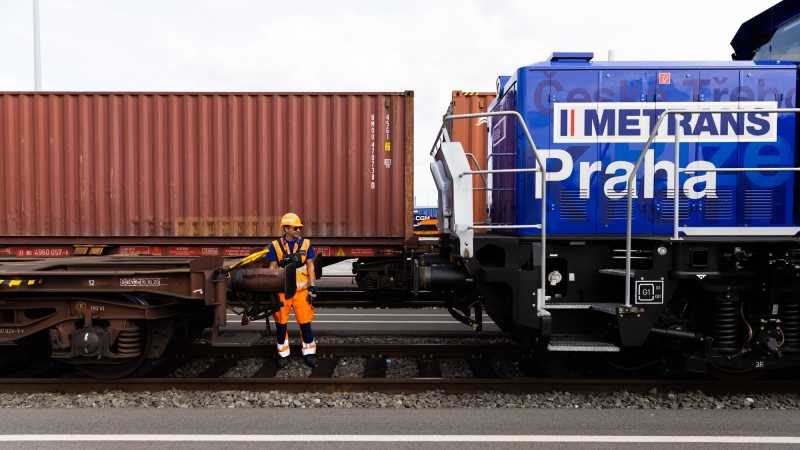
column 312, row 293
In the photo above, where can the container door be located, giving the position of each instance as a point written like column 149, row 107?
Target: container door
column 619, row 125
column 571, row 198
column 675, row 89
column 766, row 198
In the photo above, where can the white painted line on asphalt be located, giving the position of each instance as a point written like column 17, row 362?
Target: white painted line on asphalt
column 622, row 439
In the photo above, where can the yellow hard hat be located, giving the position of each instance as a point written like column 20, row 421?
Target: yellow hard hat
column 291, row 220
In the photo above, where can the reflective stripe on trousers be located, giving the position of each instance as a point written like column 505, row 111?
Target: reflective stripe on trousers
column 310, row 349
column 283, row 348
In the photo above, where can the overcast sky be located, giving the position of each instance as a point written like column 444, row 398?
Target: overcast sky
column 431, row 47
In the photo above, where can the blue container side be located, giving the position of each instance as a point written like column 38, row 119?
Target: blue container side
column 425, row 212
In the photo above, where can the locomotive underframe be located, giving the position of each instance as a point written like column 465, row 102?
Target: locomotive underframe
column 721, row 304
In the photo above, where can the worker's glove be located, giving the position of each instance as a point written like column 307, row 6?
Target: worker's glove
column 312, row 293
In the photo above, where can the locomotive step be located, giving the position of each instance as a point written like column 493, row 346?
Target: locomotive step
column 608, row 308
column 616, row 272
column 580, row 344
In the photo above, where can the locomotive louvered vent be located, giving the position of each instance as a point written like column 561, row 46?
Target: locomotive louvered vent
column 573, row 208
column 667, row 203
column 618, row 209
column 758, row 204
column 719, row 206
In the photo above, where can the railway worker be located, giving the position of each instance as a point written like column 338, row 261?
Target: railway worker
column 291, row 247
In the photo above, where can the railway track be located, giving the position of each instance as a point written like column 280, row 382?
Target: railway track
column 374, row 375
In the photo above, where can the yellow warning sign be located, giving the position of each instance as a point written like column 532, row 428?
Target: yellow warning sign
column 340, row 252
column 387, row 146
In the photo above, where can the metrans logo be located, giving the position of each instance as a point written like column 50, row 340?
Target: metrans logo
column 633, row 122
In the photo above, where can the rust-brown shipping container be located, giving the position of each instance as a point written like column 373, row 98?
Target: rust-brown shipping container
column 214, row 168
column 472, row 133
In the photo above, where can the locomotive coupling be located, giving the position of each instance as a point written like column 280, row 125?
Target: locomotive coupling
column 441, row 276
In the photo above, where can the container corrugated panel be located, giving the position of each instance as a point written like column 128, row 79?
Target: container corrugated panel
column 156, row 165
column 472, row 134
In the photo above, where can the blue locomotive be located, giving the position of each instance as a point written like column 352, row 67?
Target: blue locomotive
column 591, row 120
column 602, row 239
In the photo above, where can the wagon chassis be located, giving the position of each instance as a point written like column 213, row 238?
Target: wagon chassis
column 119, row 311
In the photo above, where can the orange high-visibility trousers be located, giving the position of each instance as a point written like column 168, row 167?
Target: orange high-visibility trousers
column 303, row 314
column 303, row 311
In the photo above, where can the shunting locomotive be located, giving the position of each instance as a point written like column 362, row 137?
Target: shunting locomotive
column 631, row 206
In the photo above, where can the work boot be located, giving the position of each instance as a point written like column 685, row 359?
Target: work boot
column 282, row 361
column 311, row 360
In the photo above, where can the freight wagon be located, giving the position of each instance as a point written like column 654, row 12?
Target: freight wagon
column 122, row 215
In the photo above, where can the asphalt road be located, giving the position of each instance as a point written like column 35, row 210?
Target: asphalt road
column 371, row 428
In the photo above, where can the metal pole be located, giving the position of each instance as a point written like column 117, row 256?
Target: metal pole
column 676, row 191
column 743, row 169
column 481, row 172
column 629, row 211
column 37, row 50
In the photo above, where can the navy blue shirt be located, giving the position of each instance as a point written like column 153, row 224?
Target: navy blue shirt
column 272, row 255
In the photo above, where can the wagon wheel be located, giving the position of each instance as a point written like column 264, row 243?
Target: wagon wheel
column 30, row 358
column 132, row 340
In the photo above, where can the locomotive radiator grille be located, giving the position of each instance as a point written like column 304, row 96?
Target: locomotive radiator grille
column 758, row 204
column 573, row 207
column 719, row 206
column 667, row 206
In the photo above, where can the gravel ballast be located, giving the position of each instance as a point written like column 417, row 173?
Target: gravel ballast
column 245, row 368
column 431, row 399
column 455, row 368
column 193, row 368
column 401, row 368
column 349, row 367
column 295, row 369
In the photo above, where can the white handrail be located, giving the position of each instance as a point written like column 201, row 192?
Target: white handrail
column 678, row 171
column 540, row 297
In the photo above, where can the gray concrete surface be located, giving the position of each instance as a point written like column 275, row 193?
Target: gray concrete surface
column 478, row 422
